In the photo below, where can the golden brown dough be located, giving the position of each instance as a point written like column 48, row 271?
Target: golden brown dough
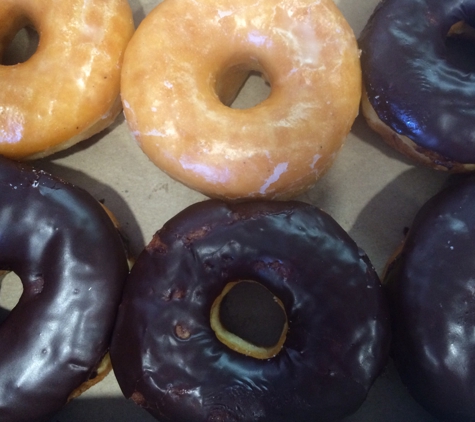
column 69, row 89
column 187, row 60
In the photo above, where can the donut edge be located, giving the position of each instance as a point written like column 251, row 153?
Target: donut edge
column 103, row 123
column 407, row 146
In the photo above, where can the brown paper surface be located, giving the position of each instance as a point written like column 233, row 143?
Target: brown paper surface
column 372, row 191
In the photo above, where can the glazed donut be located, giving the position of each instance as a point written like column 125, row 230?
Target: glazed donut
column 185, row 64
column 430, row 284
column 168, row 359
column 418, row 96
column 68, row 90
column 72, row 264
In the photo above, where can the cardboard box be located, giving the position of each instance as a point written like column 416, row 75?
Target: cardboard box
column 372, row 191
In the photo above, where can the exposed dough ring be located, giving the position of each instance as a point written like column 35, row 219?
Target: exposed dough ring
column 68, row 90
column 186, row 55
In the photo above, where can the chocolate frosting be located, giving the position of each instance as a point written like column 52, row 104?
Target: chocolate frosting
column 71, row 261
column 338, row 334
column 431, row 286
column 411, row 80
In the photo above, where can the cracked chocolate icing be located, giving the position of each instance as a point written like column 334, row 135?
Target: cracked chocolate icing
column 70, row 258
column 411, row 78
column 338, row 335
column 431, row 286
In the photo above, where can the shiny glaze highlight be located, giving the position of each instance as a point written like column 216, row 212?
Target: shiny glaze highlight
column 338, row 334
column 71, row 261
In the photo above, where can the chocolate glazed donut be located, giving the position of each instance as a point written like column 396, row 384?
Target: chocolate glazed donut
column 71, row 261
column 431, row 285
column 413, row 83
column 167, row 358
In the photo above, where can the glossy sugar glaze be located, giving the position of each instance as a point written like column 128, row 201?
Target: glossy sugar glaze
column 68, row 90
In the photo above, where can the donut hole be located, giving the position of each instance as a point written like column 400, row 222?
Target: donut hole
column 22, row 47
column 11, row 289
column 460, row 47
column 254, row 91
column 249, row 319
column 243, row 87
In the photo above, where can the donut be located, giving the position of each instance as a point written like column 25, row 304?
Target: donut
column 323, row 325
column 71, row 261
column 68, row 90
column 187, row 61
column 430, row 285
column 418, row 92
